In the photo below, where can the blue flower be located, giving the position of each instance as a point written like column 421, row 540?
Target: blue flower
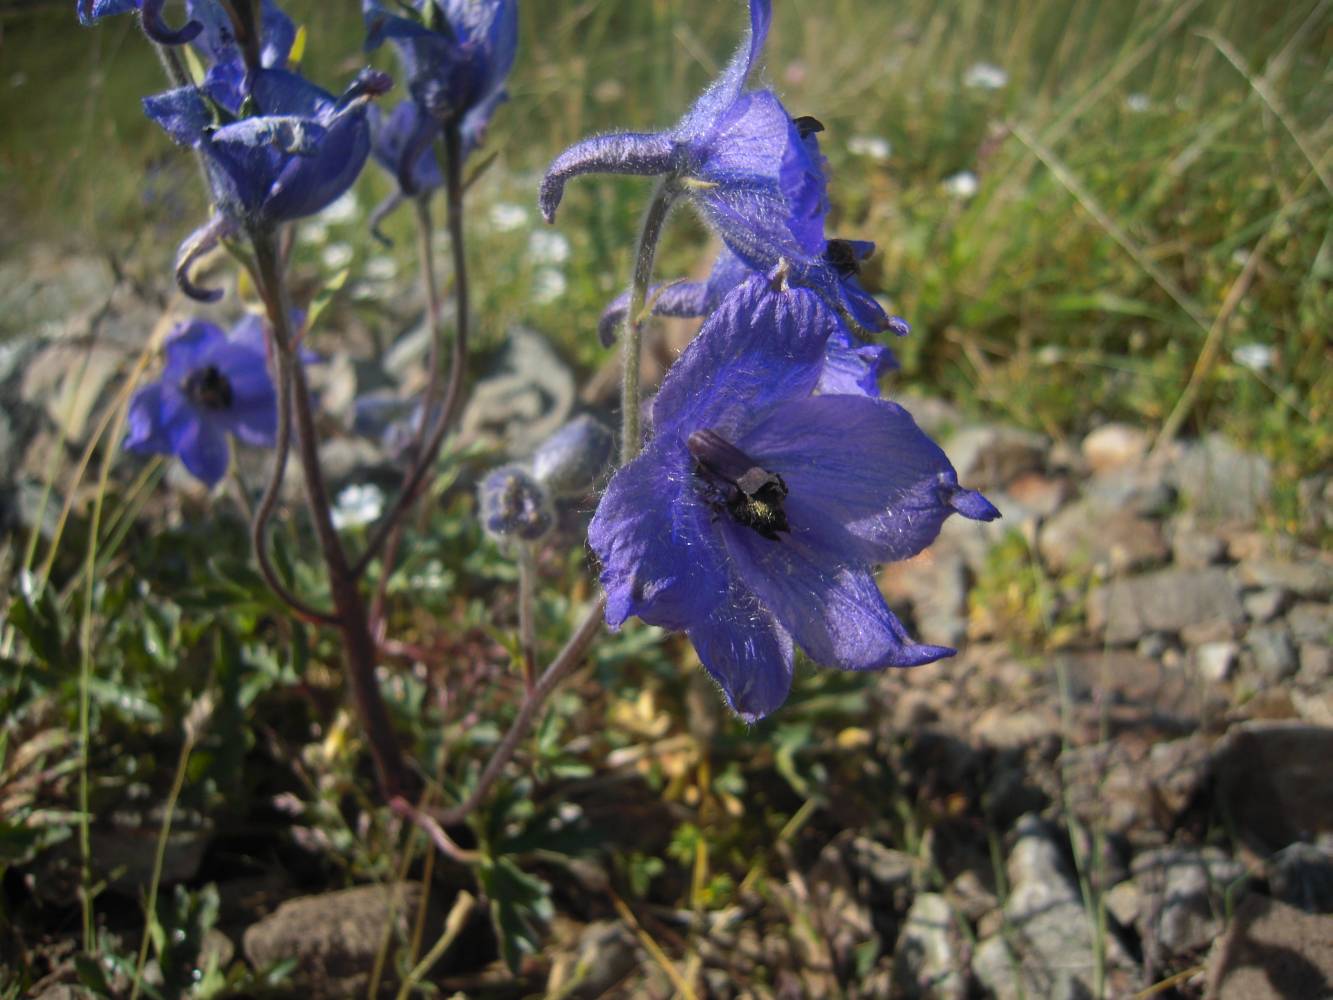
column 404, row 144
column 231, row 61
column 154, row 26
column 300, row 150
column 755, row 173
column 456, row 55
column 213, row 385
column 851, row 365
column 757, row 510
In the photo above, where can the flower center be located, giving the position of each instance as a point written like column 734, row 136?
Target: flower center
column 208, row 388
column 735, row 483
column 842, row 255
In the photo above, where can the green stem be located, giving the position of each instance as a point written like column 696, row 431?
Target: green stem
column 527, row 622
column 631, row 352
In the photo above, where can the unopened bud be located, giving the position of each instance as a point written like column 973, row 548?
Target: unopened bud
column 571, row 460
column 514, row 506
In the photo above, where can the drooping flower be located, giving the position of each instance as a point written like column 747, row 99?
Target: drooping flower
column 851, row 365
column 571, row 461
column 395, row 137
column 213, row 385
column 757, row 510
column 299, row 151
column 154, row 25
column 755, row 174
column 514, row 505
column 456, row 55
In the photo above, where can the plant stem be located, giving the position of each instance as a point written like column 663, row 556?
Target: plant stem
column 424, row 460
column 349, row 608
column 527, row 624
column 568, row 658
column 631, row 351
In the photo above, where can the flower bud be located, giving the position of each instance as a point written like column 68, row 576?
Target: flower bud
column 571, row 460
column 514, row 506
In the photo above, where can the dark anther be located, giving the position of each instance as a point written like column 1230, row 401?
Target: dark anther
column 752, row 495
column 842, row 256
column 807, row 125
column 208, row 387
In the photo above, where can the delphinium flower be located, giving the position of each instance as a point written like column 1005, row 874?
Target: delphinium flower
column 154, row 25
column 851, row 365
column 758, row 508
column 392, row 138
column 213, row 385
column 514, row 506
column 753, row 171
column 456, row 55
column 275, row 146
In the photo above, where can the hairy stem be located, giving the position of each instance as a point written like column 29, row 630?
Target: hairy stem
column 429, row 450
column 527, row 623
column 653, row 222
column 349, row 608
column 569, row 658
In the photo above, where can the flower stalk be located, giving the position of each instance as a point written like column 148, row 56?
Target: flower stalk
column 654, row 220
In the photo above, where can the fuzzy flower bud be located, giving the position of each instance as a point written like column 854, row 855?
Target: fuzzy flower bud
column 514, row 506
column 570, row 462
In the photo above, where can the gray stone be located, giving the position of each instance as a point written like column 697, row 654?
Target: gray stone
column 606, row 954
column 1039, row 494
column 1311, row 621
column 1185, row 897
column 1113, row 446
column 524, row 404
column 1309, row 578
column 1134, row 490
column 1165, row 601
column 1315, row 497
column 1272, row 952
column 1087, row 535
column 334, row 937
column 1046, row 925
column 989, row 457
column 1263, row 606
column 1124, row 902
column 1273, row 783
column 67, row 380
column 1219, row 481
column 1212, row 630
column 50, row 293
column 939, row 599
column 928, row 960
column 1273, row 651
column 1301, row 875
column 1215, row 661
column 1316, row 664
column 1193, row 548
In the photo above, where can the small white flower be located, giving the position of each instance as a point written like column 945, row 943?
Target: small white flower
column 548, row 247
column 336, row 256
column 357, row 505
column 548, row 285
column 962, row 185
column 506, row 216
column 1255, row 357
column 1240, row 256
column 341, row 210
column 1138, row 103
column 985, row 76
column 381, row 268
column 872, row 146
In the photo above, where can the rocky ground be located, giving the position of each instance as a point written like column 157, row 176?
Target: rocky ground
column 1120, row 787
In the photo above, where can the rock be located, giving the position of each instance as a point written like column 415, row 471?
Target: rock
column 1310, row 578
column 333, row 938
column 1045, row 920
column 525, row 404
column 844, row 923
column 1264, row 605
column 1301, row 875
column 1316, row 664
column 1011, row 729
column 1315, row 502
column 51, row 293
column 1195, row 548
column 1273, row 782
column 1087, row 535
column 1221, row 482
column 1273, row 652
column 1124, row 902
column 1135, row 788
column 1311, row 621
column 1134, row 490
column 1212, row 630
column 1272, row 952
column 990, row 457
column 935, row 583
column 1113, row 446
column 606, row 954
column 1165, row 601
column 928, row 959
column 1215, row 661
column 1185, row 895
column 67, row 379
column 1040, row 494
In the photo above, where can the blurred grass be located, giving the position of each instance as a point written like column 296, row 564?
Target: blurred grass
column 1026, row 304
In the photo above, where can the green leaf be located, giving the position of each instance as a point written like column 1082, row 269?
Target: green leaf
column 37, row 617
column 519, row 902
column 324, row 296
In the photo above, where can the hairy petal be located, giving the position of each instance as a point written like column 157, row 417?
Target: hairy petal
column 201, row 445
column 191, row 345
column 852, row 367
column 834, row 611
column 198, row 243
column 639, row 153
column 747, row 653
column 156, row 27
column 727, row 87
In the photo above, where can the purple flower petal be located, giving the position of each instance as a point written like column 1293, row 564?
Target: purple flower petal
column 201, row 445
column 747, row 653
column 189, row 346
column 727, row 87
column 852, row 367
column 198, row 243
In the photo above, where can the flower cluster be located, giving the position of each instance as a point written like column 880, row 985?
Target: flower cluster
column 774, row 478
